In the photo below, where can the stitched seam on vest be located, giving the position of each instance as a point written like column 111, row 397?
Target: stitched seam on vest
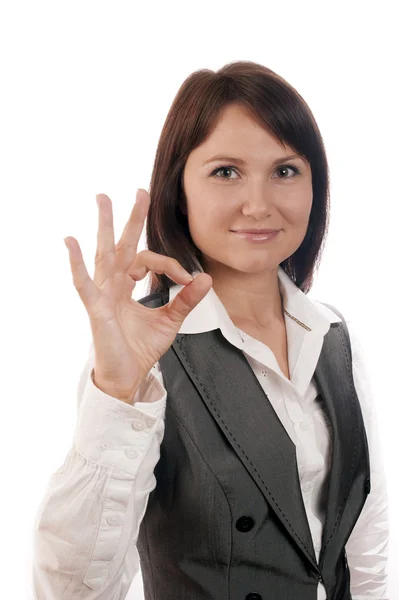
column 217, row 479
column 243, row 453
column 355, row 453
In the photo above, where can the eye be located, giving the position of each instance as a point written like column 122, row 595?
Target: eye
column 289, row 166
column 225, row 168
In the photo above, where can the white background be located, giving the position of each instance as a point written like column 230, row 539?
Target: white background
column 85, row 89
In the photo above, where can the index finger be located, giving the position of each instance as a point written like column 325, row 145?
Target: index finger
column 129, row 240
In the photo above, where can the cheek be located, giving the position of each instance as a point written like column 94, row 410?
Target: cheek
column 208, row 224
column 206, row 216
column 297, row 210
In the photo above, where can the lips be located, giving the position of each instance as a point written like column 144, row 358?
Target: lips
column 256, row 231
column 261, row 237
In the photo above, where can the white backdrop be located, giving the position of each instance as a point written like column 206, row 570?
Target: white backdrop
column 85, row 89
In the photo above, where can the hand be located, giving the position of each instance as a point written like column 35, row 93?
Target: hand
column 128, row 337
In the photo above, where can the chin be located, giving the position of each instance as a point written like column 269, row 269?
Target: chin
column 251, row 267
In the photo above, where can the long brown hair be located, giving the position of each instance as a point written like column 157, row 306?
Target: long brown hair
column 194, row 113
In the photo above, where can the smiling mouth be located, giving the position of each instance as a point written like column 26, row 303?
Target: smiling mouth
column 261, row 237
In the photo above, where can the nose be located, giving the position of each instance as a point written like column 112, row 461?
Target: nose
column 257, row 202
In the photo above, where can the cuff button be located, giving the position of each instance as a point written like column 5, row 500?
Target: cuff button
column 131, row 453
column 113, row 520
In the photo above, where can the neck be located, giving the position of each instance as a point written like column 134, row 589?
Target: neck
column 251, row 298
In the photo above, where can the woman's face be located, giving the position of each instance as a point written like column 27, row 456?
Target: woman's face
column 255, row 194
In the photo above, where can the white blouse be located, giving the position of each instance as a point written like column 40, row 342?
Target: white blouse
column 87, row 525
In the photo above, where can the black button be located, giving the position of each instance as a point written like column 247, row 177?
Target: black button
column 367, row 486
column 245, row 523
column 253, row 596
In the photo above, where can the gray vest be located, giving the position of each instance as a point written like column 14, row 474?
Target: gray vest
column 226, row 520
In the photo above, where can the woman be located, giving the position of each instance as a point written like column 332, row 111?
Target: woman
column 225, row 435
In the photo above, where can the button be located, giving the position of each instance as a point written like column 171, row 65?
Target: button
column 138, row 424
column 114, row 520
column 367, row 486
column 253, row 596
column 150, row 421
column 131, row 453
column 245, row 523
column 303, row 426
column 307, row 486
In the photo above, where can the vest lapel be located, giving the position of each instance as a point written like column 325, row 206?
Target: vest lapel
column 238, row 403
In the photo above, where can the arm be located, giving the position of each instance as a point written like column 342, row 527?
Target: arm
column 367, row 547
column 86, row 528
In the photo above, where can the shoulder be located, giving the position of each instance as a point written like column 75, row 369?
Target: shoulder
column 328, row 310
column 350, row 330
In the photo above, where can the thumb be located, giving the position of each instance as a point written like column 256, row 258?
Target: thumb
column 188, row 298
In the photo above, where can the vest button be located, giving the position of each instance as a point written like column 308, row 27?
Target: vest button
column 245, row 524
column 367, row 486
column 253, row 596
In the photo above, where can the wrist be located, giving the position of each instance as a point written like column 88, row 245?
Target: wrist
column 111, row 390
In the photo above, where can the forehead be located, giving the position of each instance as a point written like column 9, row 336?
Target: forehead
column 238, row 133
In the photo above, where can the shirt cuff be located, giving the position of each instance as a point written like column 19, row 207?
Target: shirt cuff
column 117, row 435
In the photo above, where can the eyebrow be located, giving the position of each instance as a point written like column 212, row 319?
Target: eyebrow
column 240, row 161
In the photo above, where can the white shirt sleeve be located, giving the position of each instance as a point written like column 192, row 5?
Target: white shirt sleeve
column 367, row 547
column 86, row 527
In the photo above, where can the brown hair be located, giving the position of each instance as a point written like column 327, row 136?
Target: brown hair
column 277, row 106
